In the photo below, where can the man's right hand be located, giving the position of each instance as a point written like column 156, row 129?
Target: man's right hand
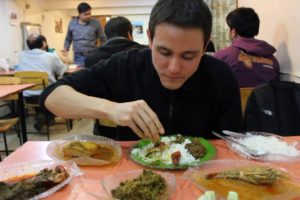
column 64, row 52
column 139, row 117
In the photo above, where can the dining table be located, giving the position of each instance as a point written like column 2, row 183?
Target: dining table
column 6, row 90
column 88, row 186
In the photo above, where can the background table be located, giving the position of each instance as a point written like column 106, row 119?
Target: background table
column 86, row 186
column 6, row 90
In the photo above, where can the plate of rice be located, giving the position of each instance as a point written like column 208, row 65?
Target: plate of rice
column 172, row 152
column 274, row 147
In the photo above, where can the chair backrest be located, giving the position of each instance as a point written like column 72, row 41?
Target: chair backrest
column 245, row 93
column 6, row 80
column 39, row 78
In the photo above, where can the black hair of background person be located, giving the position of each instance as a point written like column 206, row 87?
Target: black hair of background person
column 36, row 42
column 83, row 7
column 245, row 21
column 116, row 30
column 118, row 27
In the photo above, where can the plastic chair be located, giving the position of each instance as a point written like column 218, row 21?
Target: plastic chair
column 245, row 93
column 6, row 124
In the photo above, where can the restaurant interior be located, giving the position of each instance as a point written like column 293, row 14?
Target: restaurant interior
column 25, row 151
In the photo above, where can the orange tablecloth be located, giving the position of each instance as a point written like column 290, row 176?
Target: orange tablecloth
column 84, row 187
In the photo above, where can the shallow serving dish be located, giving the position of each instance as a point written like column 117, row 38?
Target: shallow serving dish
column 286, row 187
column 209, row 147
column 113, row 181
column 55, row 149
column 266, row 157
column 30, row 168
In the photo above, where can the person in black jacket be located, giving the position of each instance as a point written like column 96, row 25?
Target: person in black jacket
column 171, row 88
column 118, row 31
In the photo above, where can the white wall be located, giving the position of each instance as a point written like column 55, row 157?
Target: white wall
column 10, row 40
column 280, row 22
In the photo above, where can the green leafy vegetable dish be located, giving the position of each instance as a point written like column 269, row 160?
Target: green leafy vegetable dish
column 172, row 152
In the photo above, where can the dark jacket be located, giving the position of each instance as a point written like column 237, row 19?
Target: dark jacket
column 112, row 46
column 274, row 107
column 251, row 61
column 209, row 100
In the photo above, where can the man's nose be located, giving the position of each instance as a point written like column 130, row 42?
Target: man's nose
column 174, row 65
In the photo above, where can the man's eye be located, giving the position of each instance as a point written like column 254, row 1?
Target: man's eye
column 165, row 53
column 188, row 57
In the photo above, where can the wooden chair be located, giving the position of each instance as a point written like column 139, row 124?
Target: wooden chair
column 245, row 93
column 41, row 80
column 6, row 124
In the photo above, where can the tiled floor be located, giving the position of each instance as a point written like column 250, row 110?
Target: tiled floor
column 57, row 131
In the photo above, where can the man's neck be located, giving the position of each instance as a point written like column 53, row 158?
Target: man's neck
column 81, row 22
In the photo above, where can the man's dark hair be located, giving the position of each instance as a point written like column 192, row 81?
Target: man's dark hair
column 83, row 7
column 118, row 26
column 182, row 13
column 35, row 41
column 245, row 21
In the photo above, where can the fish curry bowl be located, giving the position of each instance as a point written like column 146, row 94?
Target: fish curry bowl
column 251, row 180
column 86, row 150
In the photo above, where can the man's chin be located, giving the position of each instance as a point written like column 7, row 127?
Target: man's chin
column 172, row 86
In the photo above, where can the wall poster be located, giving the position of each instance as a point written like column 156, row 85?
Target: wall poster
column 220, row 30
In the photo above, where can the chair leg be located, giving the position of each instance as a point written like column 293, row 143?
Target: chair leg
column 5, row 143
column 47, row 126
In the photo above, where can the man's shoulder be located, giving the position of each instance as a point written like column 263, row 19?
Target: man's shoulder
column 215, row 67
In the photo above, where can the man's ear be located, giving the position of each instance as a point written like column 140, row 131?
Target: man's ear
column 149, row 38
column 233, row 33
column 129, row 36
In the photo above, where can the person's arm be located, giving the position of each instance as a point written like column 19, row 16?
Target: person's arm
column 101, row 34
column 59, row 67
column 65, row 102
column 68, row 41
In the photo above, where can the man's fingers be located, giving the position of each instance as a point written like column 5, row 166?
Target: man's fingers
column 157, row 126
column 140, row 122
column 136, row 130
column 149, row 127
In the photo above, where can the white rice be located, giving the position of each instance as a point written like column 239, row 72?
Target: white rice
column 268, row 144
column 165, row 156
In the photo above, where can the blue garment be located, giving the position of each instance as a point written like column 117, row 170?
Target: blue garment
column 40, row 60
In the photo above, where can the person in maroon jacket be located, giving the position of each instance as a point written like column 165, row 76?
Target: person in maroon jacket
column 251, row 60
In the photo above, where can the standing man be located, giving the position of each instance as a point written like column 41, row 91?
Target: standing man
column 84, row 32
column 170, row 88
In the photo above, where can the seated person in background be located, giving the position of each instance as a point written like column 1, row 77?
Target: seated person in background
column 118, row 31
column 171, row 88
column 251, row 60
column 36, row 58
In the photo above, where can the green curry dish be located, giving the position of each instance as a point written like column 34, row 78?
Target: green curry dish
column 147, row 186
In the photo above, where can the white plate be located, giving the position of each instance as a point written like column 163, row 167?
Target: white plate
column 54, row 149
column 21, row 169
